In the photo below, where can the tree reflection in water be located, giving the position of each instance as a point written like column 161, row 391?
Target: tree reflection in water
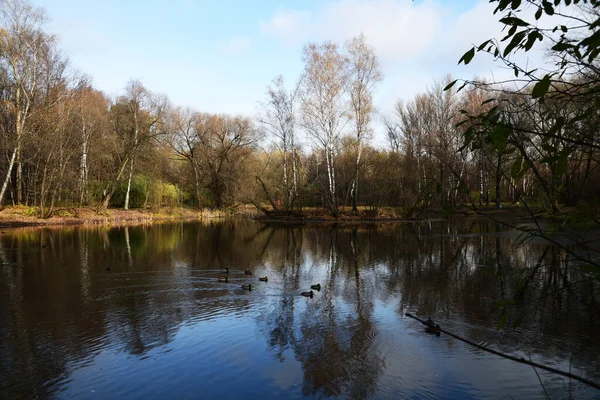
column 60, row 308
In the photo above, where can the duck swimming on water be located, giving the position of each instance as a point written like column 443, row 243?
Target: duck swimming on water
column 264, row 279
column 307, row 294
column 437, row 330
column 247, row 287
column 248, row 272
column 317, row 287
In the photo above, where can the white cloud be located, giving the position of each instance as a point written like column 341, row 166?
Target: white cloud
column 234, row 46
column 398, row 30
column 290, row 26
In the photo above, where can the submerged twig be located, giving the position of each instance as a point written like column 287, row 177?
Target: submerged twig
column 517, row 359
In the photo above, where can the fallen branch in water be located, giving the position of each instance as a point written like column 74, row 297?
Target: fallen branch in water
column 517, row 359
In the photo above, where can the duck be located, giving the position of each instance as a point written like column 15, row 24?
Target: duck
column 264, row 279
column 248, row 272
column 247, row 287
column 223, row 279
column 317, row 287
column 307, row 294
column 437, row 330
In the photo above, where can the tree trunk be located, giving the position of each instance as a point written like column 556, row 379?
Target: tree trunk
column 113, row 186
column 498, row 179
column 295, row 176
column 19, row 182
column 331, row 178
column 8, row 173
column 83, row 170
column 126, row 206
column 481, row 181
column 286, row 191
column 355, row 181
column 197, row 184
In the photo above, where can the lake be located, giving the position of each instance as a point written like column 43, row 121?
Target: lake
column 139, row 312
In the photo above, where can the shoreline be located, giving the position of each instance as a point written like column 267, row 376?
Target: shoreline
column 24, row 216
column 390, row 215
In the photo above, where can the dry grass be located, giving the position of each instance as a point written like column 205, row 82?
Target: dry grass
column 29, row 216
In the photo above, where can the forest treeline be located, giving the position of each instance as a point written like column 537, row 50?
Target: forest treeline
column 532, row 140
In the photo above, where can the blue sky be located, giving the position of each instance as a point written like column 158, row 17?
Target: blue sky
column 218, row 56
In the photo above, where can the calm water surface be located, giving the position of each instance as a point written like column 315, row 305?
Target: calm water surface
column 158, row 324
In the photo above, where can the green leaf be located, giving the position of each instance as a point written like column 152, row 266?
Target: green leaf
column 593, row 54
column 482, row 45
column 462, row 86
column 448, row 86
column 591, row 41
column 540, row 88
column 548, row 9
column 515, row 4
column 562, row 46
column 514, row 21
column 468, row 56
column 499, row 138
column 518, row 38
column 502, row 5
column 538, row 13
column 511, row 32
column 533, row 35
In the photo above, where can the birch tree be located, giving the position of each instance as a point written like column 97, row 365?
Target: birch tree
column 278, row 118
column 23, row 45
column 324, row 105
column 364, row 73
column 90, row 120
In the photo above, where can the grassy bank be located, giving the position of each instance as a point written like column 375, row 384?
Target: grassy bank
column 29, row 216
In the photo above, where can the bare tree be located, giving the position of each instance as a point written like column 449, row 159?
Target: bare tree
column 226, row 144
column 23, row 46
column 90, row 117
column 324, row 105
column 364, row 73
column 278, row 118
column 185, row 141
column 137, row 119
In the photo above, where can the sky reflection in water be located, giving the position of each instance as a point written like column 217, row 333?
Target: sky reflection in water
column 159, row 324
